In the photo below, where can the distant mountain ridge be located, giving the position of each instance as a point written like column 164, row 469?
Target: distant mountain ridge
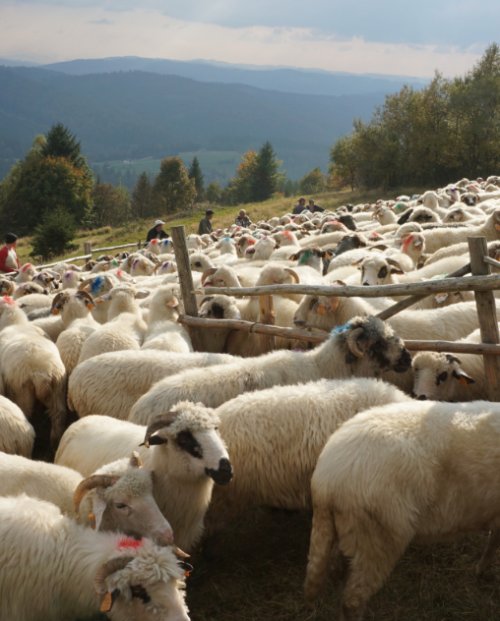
column 131, row 114
column 283, row 79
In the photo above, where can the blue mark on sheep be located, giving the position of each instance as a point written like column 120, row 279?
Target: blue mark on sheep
column 96, row 285
column 341, row 329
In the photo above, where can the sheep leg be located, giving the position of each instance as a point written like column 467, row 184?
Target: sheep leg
column 370, row 566
column 323, row 535
column 489, row 552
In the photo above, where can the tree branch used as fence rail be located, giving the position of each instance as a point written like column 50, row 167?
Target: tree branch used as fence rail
column 90, row 252
column 318, row 336
column 443, row 285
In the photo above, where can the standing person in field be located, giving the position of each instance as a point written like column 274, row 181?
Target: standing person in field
column 8, row 256
column 242, row 219
column 157, row 232
column 205, row 226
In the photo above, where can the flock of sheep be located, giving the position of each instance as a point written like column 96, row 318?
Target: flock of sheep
column 170, row 445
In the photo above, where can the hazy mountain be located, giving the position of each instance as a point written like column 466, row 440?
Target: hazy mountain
column 135, row 114
column 290, row 80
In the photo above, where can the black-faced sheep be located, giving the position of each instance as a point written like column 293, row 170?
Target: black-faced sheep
column 183, row 449
column 365, row 347
column 58, row 569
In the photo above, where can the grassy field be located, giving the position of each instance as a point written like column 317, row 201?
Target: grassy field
column 135, row 231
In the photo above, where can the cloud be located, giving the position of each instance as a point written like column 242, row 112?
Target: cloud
column 52, row 32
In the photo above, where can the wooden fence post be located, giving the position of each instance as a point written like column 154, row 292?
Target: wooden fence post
column 186, row 283
column 87, row 247
column 487, row 315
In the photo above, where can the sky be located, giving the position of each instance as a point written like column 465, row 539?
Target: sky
column 388, row 37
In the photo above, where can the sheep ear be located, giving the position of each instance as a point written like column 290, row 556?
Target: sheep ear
column 395, row 267
column 173, row 303
column 108, row 600
column 463, row 377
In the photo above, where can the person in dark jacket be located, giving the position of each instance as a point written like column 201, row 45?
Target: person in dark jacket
column 157, row 232
column 300, row 206
column 205, row 226
column 313, row 208
column 242, row 219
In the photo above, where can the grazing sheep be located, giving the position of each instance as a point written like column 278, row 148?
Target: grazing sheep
column 31, row 369
column 183, row 449
column 275, row 436
column 111, row 383
column 365, row 347
column 17, row 436
column 118, row 496
column 54, row 568
column 392, row 474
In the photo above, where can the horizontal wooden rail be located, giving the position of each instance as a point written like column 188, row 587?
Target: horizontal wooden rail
column 428, row 287
column 318, row 336
column 86, row 257
column 492, row 262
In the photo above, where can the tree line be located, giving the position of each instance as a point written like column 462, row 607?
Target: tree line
column 448, row 130
column 52, row 191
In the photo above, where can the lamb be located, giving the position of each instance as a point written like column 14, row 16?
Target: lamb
column 183, row 449
column 17, row 436
column 275, row 436
column 117, row 497
column 58, row 569
column 392, row 474
column 163, row 331
column 365, row 347
column 111, row 383
column 31, row 369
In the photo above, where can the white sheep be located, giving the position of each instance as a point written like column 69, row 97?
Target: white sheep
column 17, row 436
column 275, row 436
column 393, row 474
column 448, row 323
column 446, row 377
column 163, row 331
column 118, row 496
column 31, row 369
column 58, row 569
column 125, row 328
column 437, row 238
column 365, row 347
column 111, row 383
column 183, row 449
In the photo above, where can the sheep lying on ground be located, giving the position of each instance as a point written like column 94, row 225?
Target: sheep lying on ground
column 183, row 449
column 392, row 474
column 58, row 569
column 365, row 347
column 111, row 383
column 275, row 436
column 16, row 434
column 117, row 497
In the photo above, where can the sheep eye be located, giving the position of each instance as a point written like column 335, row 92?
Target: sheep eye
column 382, row 273
column 186, row 442
column 120, row 505
column 441, row 377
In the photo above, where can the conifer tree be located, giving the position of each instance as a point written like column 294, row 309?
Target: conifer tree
column 196, row 175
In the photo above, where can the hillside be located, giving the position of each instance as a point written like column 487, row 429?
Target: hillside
column 135, row 114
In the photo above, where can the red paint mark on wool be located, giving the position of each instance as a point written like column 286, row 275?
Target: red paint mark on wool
column 406, row 242
column 8, row 300
column 128, row 543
